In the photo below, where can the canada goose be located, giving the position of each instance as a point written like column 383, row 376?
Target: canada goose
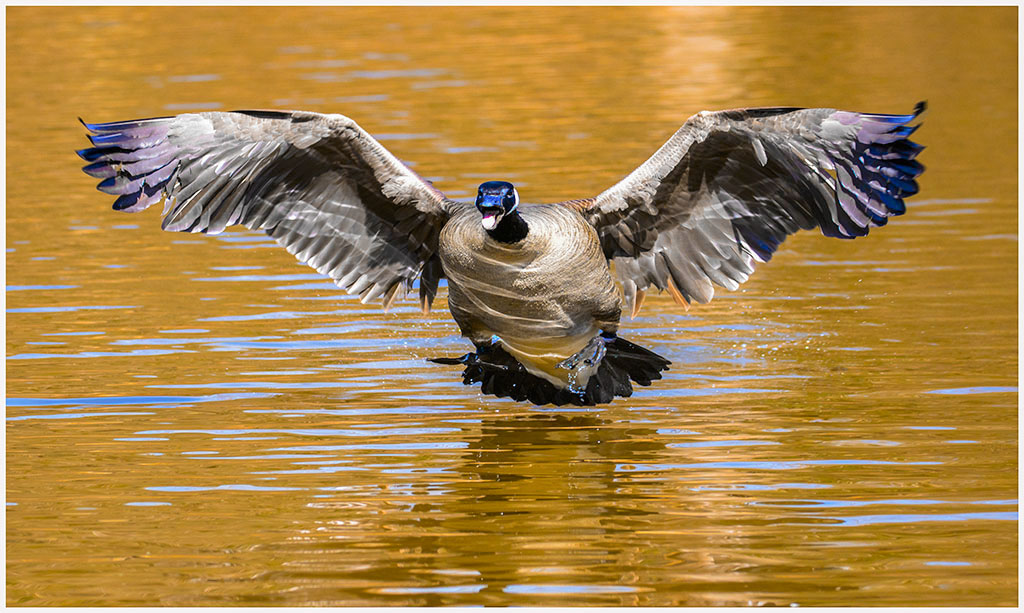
column 530, row 285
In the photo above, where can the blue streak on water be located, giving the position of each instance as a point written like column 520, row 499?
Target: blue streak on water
column 275, row 456
column 262, row 316
column 338, row 343
column 447, row 589
column 434, row 470
column 547, row 589
column 736, row 443
column 312, row 471
column 867, row 520
column 129, row 400
column 975, row 390
column 96, row 354
column 264, row 385
column 133, row 439
column 754, row 487
column 72, row 416
column 357, row 412
column 231, row 487
column 380, row 447
column 65, row 309
column 277, row 373
column 715, row 391
column 781, row 465
column 345, row 329
column 759, row 377
column 837, row 504
column 730, row 327
column 147, row 504
column 183, row 341
column 325, row 286
column 21, row 288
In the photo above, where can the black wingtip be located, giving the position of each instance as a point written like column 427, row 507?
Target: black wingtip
column 90, row 154
column 920, row 107
column 92, row 127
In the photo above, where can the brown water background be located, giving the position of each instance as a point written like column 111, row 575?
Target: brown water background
column 199, row 420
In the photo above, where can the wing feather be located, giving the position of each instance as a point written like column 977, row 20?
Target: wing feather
column 730, row 186
column 320, row 185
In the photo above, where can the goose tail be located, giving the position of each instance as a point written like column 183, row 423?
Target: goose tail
column 499, row 374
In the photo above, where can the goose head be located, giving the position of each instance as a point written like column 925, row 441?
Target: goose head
column 495, row 200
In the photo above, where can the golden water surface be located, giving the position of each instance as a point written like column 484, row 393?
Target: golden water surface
column 198, row 420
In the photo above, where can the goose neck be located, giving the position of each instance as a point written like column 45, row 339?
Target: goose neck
column 511, row 229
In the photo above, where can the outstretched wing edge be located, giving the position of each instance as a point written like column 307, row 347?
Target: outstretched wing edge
column 729, row 186
column 320, row 185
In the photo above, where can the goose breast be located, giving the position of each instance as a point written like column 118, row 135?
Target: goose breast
column 554, row 283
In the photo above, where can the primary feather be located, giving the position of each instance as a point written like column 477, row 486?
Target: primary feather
column 318, row 184
column 730, row 186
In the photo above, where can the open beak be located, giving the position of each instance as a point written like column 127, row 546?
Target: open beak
column 491, row 216
column 490, row 208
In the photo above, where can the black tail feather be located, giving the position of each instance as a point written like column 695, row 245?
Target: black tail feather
column 501, row 375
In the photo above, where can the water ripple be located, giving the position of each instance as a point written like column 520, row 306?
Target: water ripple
column 866, row 520
column 975, row 390
column 777, row 465
column 127, row 400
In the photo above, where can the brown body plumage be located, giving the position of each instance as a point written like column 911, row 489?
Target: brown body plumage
column 545, row 296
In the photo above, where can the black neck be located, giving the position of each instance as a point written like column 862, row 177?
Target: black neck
column 511, row 229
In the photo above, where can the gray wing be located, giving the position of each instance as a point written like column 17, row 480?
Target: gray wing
column 730, row 186
column 318, row 184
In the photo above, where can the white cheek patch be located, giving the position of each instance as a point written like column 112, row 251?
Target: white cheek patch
column 515, row 193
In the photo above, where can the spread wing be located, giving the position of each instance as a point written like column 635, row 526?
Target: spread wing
column 730, row 186
column 319, row 184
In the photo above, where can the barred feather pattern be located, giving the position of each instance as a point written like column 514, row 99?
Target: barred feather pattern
column 728, row 188
column 318, row 184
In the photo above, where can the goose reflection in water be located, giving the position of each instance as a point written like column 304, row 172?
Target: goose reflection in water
column 537, row 288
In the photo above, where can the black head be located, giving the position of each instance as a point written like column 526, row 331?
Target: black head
column 494, row 200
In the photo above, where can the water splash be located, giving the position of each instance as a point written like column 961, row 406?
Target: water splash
column 583, row 364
